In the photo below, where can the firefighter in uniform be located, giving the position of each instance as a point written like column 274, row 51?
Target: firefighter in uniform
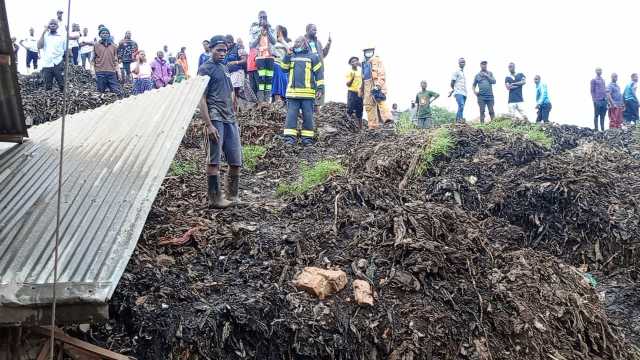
column 306, row 83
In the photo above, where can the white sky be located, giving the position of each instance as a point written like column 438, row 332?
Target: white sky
column 563, row 41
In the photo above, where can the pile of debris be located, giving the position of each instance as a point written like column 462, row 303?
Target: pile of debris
column 385, row 262
column 260, row 124
column 41, row 105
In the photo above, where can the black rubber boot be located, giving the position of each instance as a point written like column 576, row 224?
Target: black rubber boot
column 216, row 198
column 232, row 188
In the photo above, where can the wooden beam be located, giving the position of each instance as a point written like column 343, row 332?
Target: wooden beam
column 44, row 351
column 102, row 353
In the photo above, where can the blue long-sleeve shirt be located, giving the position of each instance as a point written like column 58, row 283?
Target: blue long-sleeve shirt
column 630, row 92
column 542, row 95
column 203, row 59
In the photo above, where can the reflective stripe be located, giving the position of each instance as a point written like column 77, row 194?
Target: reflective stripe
column 265, row 72
column 317, row 67
column 320, row 82
column 300, row 59
column 301, row 93
column 307, row 133
column 264, row 87
column 293, row 132
column 307, row 75
column 285, row 66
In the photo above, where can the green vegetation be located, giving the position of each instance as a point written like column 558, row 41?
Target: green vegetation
column 532, row 132
column 440, row 143
column 440, row 116
column 311, row 177
column 405, row 123
column 251, row 154
column 180, row 168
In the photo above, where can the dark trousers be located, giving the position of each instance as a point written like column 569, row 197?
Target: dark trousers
column 294, row 106
column 32, row 57
column 599, row 112
column 543, row 113
column 460, row 100
column 354, row 105
column 74, row 54
column 630, row 114
column 486, row 104
column 108, row 80
column 253, row 81
column 126, row 71
column 85, row 57
column 55, row 72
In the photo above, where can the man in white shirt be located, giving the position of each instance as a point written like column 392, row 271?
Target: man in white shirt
column 459, row 89
column 74, row 45
column 30, row 44
column 62, row 26
column 53, row 45
column 86, row 47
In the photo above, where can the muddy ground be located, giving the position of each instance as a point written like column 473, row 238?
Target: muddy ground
column 502, row 249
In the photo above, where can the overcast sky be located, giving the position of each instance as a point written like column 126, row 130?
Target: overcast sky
column 563, row 41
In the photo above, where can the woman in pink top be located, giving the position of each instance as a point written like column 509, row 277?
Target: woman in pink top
column 141, row 71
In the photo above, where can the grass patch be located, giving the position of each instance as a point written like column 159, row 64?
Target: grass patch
column 532, row 132
column 405, row 123
column 251, row 154
column 440, row 143
column 180, row 168
column 311, row 177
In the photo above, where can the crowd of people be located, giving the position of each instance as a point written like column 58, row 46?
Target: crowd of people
column 622, row 105
column 113, row 63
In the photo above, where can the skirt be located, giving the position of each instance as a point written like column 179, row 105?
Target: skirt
column 142, row 85
column 280, row 80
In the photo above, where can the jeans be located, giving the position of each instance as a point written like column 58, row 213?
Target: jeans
column 74, row 54
column 228, row 144
column 85, row 57
column 108, row 80
column 32, row 56
column 460, row 100
column 486, row 103
column 49, row 73
column 293, row 109
column 630, row 111
column 599, row 112
column 543, row 113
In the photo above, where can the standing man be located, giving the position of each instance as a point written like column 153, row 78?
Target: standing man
column 423, row 100
column 235, row 61
column 484, row 80
column 105, row 63
column 315, row 47
column 126, row 50
column 306, row 83
column 75, row 44
column 216, row 108
column 166, row 53
column 375, row 90
column 62, row 26
column 161, row 71
column 16, row 48
column 543, row 104
column 459, row 89
column 514, row 83
column 631, row 101
column 54, row 47
column 599, row 97
column 30, row 44
column 205, row 55
column 86, row 47
column 354, row 93
column 263, row 39
column 616, row 103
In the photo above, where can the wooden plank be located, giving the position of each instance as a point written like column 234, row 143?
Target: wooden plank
column 44, row 351
column 82, row 345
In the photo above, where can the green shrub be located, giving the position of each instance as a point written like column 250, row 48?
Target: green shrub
column 442, row 116
column 311, row 177
column 405, row 123
column 440, row 143
column 251, row 154
column 180, row 168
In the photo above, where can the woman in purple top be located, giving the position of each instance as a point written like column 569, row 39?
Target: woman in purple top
column 161, row 71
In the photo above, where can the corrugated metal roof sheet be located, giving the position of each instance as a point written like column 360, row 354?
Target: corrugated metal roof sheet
column 12, row 121
column 115, row 159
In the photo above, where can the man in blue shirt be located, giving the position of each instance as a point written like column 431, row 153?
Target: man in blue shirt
column 616, row 103
column 205, row 55
column 484, row 80
column 631, row 101
column 543, row 103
